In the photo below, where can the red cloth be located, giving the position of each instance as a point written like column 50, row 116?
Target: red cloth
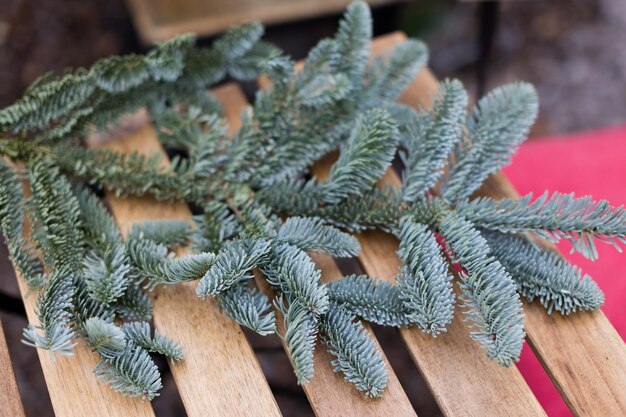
column 590, row 163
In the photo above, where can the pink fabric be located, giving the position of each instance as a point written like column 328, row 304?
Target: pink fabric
column 590, row 163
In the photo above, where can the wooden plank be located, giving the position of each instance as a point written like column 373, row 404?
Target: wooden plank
column 462, row 380
column 9, row 395
column 74, row 389
column 328, row 393
column 220, row 374
column 158, row 20
column 583, row 354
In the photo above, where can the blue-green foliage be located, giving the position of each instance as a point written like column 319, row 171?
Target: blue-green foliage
column 261, row 209
column 488, row 292
column 356, row 353
column 544, row 274
column 12, row 204
column 250, row 308
column 311, row 234
column 375, row 301
column 301, row 328
column 424, row 282
column 580, row 220
column 497, row 126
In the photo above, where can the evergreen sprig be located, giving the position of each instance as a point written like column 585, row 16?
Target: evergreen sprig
column 260, row 211
column 356, row 353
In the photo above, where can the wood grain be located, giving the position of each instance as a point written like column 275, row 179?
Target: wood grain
column 74, row 389
column 328, row 393
column 10, row 403
column 220, row 374
column 158, row 20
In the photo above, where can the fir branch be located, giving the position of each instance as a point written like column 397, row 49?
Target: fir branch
column 85, row 307
column 238, row 40
column 213, row 227
column 132, row 373
column 311, row 234
column 106, row 275
column 432, row 138
column 105, row 337
column 374, row 301
column 365, row 158
column 256, row 59
column 371, row 210
column 121, row 84
column 46, row 100
column 119, row 74
column 321, row 59
column 424, row 282
column 249, row 308
column 166, row 62
column 488, row 292
column 187, row 268
column 128, row 174
column 133, row 304
column 580, row 220
column 97, row 224
column 54, row 332
column 57, row 212
column 324, row 90
column 353, row 39
column 12, row 212
column 234, row 264
column 499, row 124
column 395, row 70
column 292, row 271
column 147, row 258
column 301, row 327
column 159, row 267
column 139, row 334
column 544, row 274
column 356, row 353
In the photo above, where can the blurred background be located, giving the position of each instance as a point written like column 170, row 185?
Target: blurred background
column 573, row 51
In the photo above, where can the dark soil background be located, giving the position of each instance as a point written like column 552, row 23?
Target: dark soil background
column 572, row 50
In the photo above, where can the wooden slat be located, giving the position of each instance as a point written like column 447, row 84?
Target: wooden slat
column 10, row 404
column 462, row 380
column 328, row 393
column 583, row 353
column 220, row 374
column 158, row 20
column 74, row 389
